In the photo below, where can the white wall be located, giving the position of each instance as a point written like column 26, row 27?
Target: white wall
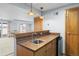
column 57, row 22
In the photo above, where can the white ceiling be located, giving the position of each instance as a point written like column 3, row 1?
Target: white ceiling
column 47, row 6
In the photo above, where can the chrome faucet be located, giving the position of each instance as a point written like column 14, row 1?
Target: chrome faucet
column 33, row 36
column 34, row 40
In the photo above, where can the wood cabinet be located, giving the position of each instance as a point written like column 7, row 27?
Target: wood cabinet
column 21, row 51
column 38, row 24
column 47, row 50
column 41, row 52
column 53, row 52
column 72, row 32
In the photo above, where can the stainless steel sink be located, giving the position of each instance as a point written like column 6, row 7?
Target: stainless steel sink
column 37, row 41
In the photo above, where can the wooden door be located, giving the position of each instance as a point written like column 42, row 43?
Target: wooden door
column 72, row 32
column 38, row 24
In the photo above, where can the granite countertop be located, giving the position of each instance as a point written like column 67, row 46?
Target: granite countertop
column 34, row 47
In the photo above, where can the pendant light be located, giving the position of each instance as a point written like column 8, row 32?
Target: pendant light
column 41, row 12
column 57, row 12
column 31, row 12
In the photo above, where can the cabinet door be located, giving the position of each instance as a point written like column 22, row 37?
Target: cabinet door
column 53, row 48
column 27, row 52
column 19, row 50
column 41, row 52
column 49, row 49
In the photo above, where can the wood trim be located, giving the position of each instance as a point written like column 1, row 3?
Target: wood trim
column 65, row 31
column 29, row 34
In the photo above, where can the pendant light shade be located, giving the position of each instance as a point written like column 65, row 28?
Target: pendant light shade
column 41, row 12
column 41, row 17
column 30, row 13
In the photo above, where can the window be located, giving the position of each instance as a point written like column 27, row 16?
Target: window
column 3, row 29
column 29, row 27
column 23, row 28
column 0, row 29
